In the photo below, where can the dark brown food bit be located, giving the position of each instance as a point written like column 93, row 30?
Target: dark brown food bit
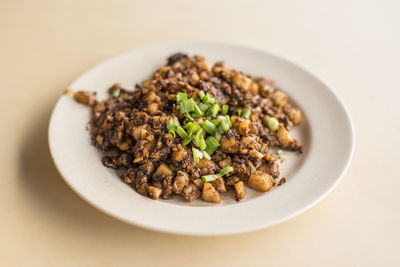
column 87, row 98
column 130, row 128
column 176, row 57
column 191, row 192
column 282, row 181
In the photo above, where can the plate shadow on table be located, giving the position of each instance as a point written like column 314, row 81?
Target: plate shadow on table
column 41, row 182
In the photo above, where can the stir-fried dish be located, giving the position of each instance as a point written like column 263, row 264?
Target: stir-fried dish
column 194, row 131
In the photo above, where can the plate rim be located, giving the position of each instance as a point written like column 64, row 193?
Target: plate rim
column 328, row 86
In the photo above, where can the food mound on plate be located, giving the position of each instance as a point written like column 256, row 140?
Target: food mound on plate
column 193, row 131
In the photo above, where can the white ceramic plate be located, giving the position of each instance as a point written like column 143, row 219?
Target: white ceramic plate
column 326, row 133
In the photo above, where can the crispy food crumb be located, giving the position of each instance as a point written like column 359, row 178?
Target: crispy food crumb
column 68, row 92
column 282, row 181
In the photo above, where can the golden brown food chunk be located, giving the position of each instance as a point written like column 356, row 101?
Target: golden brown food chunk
column 154, row 192
column 270, row 168
column 229, row 144
column 178, row 153
column 151, row 97
column 240, row 191
column 181, row 179
column 198, row 182
column 255, row 154
column 210, row 194
column 243, row 126
column 191, row 192
column 225, row 163
column 284, row 137
column 241, row 81
column 84, row 97
column 140, row 132
column 279, row 98
column 219, row 185
column 261, row 181
column 163, row 171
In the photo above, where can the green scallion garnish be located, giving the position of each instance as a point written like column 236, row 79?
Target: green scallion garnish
column 209, row 178
column 228, row 119
column 197, row 112
column 172, row 134
column 198, row 139
column 218, row 136
column 213, row 177
column 186, row 106
column 172, row 124
column 197, row 155
column 246, row 113
column 116, row 92
column 188, row 117
column 205, row 155
column 224, row 125
column 212, row 145
column 238, row 112
column 181, row 132
column 201, row 95
column 213, row 111
column 203, row 107
column 209, row 127
column 209, row 99
column 225, row 109
column 215, row 122
column 180, row 97
column 226, row 170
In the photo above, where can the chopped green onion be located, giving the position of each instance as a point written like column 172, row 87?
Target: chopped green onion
column 197, row 155
column 203, row 107
column 226, row 170
column 198, row 139
column 172, row 134
column 224, row 125
column 273, row 123
column 180, row 97
column 209, row 127
column 206, row 98
column 228, row 119
column 213, row 177
column 215, row 122
column 188, row 117
column 186, row 106
column 225, row 109
column 213, row 111
column 238, row 112
column 209, row 178
column 179, row 130
column 212, row 144
column 205, row 155
column 191, row 127
column 116, row 92
column 202, row 143
column 218, row 136
column 197, row 112
column 246, row 113
column 172, row 124
column 187, row 141
column 201, row 94
column 209, row 99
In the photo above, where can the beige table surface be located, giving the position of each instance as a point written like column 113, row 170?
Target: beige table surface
column 45, row 45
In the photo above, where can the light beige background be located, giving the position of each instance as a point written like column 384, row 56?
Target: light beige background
column 45, row 45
